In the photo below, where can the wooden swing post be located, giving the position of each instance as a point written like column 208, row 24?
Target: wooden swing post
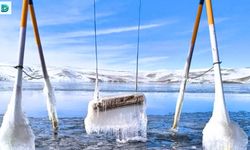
column 50, row 93
column 219, row 102
column 187, row 67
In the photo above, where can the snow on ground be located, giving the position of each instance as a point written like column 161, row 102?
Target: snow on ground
column 239, row 75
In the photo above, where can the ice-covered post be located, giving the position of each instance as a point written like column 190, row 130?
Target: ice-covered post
column 187, row 67
column 51, row 101
column 219, row 109
column 220, row 132
column 15, row 132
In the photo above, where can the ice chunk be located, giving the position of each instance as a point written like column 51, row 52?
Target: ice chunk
column 126, row 123
column 15, row 132
column 220, row 135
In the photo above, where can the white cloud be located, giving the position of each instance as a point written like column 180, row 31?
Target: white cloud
column 66, row 30
column 154, row 59
column 113, row 30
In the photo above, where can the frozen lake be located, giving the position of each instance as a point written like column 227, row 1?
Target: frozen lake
column 72, row 99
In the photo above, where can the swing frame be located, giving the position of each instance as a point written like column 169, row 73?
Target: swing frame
column 219, row 103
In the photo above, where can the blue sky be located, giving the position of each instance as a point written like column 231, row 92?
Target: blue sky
column 66, row 29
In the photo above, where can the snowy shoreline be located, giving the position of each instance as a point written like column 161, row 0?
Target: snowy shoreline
column 69, row 74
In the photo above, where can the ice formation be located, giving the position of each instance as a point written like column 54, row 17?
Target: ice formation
column 51, row 103
column 222, row 136
column 15, row 132
column 220, row 133
column 126, row 123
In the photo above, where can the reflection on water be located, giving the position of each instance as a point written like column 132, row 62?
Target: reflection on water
column 73, row 103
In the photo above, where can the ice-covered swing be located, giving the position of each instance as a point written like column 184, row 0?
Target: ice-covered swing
column 15, row 132
column 121, row 115
column 220, row 133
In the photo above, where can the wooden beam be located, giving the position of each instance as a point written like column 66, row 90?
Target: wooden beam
column 107, row 103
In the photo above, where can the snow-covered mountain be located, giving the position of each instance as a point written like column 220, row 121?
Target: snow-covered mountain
column 57, row 74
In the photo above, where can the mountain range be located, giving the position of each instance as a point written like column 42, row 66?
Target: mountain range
column 65, row 74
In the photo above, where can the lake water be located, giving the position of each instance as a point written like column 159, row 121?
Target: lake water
column 72, row 99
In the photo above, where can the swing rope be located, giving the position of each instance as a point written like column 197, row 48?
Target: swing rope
column 138, row 46
column 202, row 74
column 25, row 72
column 31, row 77
column 205, row 72
column 96, row 57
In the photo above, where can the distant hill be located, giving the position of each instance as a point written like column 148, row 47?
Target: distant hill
column 239, row 75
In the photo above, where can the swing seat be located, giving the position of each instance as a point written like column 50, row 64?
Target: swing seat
column 123, row 117
column 113, row 102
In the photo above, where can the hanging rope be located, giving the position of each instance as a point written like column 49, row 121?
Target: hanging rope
column 31, row 77
column 205, row 72
column 96, row 57
column 202, row 74
column 27, row 74
column 138, row 46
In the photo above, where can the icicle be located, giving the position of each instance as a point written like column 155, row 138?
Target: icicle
column 126, row 123
column 51, row 104
column 96, row 92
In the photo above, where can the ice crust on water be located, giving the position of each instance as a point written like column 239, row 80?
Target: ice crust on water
column 126, row 123
column 220, row 136
column 15, row 132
